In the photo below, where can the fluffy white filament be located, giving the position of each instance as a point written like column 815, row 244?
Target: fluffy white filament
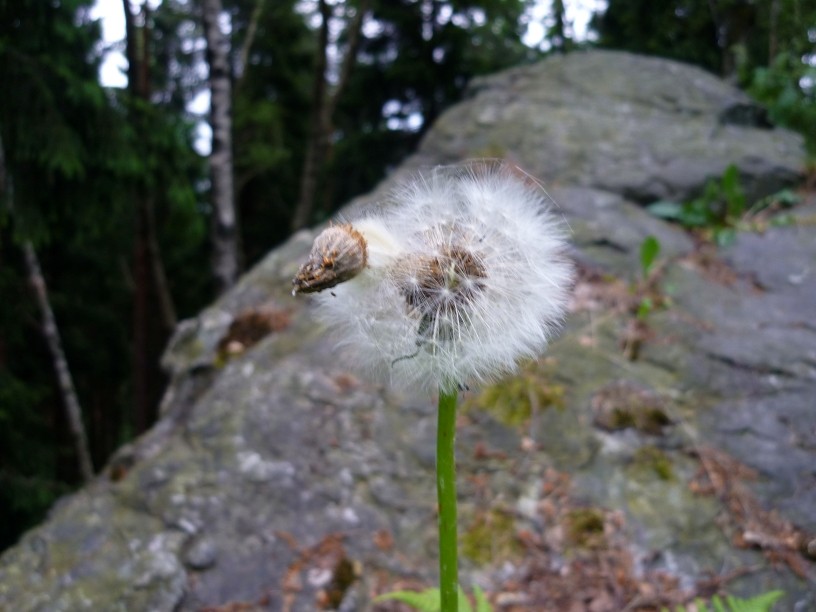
column 466, row 274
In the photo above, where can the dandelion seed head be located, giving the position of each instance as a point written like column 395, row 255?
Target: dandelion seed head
column 465, row 275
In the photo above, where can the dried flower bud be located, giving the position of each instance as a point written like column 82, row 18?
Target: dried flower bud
column 339, row 254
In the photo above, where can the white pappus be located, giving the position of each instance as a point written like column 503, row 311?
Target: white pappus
column 462, row 274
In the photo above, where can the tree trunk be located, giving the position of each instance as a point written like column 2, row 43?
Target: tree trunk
column 249, row 39
column 152, row 299
column 66, row 383
column 162, row 287
column 318, row 150
column 51, row 333
column 224, row 230
column 773, row 23
column 558, row 33
column 311, row 163
column 141, row 323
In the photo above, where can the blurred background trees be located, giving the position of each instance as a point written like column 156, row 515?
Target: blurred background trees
column 321, row 98
column 767, row 48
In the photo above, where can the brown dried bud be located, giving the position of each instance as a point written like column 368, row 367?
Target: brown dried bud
column 339, row 253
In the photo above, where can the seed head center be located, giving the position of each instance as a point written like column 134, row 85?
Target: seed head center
column 445, row 282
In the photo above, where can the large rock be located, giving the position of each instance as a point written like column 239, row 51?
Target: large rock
column 646, row 128
column 278, row 480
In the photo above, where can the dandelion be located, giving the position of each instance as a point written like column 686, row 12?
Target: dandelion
column 452, row 282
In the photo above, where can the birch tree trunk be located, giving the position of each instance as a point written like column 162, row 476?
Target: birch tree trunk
column 73, row 410
column 224, row 229
column 66, row 383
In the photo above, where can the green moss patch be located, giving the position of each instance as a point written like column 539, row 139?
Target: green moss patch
column 650, row 460
column 515, row 399
column 490, row 536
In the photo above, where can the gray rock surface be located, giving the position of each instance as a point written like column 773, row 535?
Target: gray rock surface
column 277, row 480
column 642, row 127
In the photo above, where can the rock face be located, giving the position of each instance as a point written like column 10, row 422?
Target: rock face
column 653, row 452
column 641, row 127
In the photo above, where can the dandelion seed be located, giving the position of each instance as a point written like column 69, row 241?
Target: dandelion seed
column 461, row 276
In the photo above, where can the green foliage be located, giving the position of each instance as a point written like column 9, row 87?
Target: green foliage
column 767, row 47
column 271, row 102
column 410, row 66
column 428, row 600
column 52, row 116
column 55, row 127
column 722, row 209
column 416, row 63
column 76, row 158
column 423, row 61
column 645, row 307
column 30, row 457
column 760, row 603
column 649, row 250
column 683, row 31
column 717, row 210
column 28, row 486
column 788, row 88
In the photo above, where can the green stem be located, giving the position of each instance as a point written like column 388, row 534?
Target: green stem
column 446, row 492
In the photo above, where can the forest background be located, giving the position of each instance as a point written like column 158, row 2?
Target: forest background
column 113, row 226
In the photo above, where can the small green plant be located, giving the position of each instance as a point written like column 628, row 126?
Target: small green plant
column 649, row 250
column 722, row 208
column 760, row 603
column 717, row 210
column 646, row 297
column 429, row 600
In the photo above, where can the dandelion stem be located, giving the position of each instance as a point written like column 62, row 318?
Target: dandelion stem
column 446, row 492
